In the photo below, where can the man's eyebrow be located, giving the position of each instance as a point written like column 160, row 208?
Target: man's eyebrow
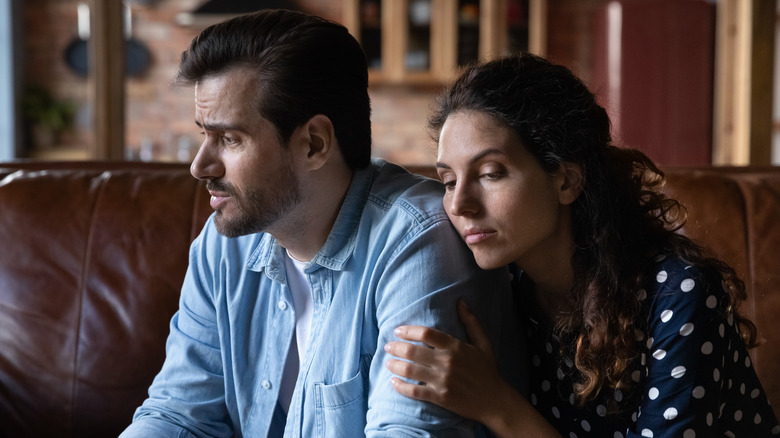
column 220, row 127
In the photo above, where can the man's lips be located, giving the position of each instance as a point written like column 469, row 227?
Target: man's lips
column 217, row 199
column 474, row 235
column 219, row 191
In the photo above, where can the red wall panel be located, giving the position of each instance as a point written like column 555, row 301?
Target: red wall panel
column 653, row 71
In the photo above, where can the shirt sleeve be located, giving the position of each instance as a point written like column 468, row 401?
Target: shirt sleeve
column 187, row 397
column 689, row 346
column 421, row 286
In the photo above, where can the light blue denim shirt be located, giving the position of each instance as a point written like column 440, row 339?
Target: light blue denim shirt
column 392, row 258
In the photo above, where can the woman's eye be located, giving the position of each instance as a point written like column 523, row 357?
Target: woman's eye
column 449, row 185
column 492, row 175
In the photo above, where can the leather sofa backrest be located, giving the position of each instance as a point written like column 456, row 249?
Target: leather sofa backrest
column 91, row 265
column 92, row 256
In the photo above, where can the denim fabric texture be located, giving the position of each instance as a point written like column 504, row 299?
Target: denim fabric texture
column 392, row 258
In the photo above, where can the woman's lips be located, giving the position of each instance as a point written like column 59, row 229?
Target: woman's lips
column 476, row 236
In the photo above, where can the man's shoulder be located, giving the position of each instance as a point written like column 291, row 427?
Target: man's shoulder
column 396, row 187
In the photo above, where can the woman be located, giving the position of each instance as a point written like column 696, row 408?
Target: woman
column 633, row 329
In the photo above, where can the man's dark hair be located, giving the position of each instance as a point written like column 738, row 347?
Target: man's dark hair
column 306, row 65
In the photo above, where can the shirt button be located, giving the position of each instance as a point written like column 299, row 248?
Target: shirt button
column 282, row 305
column 266, row 384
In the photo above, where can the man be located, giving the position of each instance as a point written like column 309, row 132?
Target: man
column 314, row 254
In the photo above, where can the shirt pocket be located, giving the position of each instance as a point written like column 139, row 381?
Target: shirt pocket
column 341, row 407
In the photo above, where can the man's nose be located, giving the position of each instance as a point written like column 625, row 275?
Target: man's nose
column 206, row 164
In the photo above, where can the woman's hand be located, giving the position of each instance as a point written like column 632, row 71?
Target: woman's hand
column 457, row 376
column 462, row 378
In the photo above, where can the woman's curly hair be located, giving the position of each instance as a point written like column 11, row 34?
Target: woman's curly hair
column 621, row 220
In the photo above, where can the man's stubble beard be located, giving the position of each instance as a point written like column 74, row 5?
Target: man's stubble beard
column 260, row 207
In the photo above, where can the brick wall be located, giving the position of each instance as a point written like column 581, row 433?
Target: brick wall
column 161, row 117
column 49, row 27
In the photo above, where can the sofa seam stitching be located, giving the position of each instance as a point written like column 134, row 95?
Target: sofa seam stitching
column 102, row 178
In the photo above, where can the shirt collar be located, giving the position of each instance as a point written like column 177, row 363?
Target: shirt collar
column 341, row 241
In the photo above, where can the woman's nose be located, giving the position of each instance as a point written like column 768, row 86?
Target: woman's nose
column 463, row 201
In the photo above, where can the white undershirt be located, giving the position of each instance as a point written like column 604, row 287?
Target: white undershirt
column 303, row 307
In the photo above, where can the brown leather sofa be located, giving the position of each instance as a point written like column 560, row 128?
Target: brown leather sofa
column 92, row 256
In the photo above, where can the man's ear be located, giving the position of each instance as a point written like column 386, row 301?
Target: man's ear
column 318, row 140
column 571, row 179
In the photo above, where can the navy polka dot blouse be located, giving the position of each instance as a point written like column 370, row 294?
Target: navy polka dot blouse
column 695, row 378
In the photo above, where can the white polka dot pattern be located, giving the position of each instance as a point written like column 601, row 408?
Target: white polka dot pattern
column 693, row 378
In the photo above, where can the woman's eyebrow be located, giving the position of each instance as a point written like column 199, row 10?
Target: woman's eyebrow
column 475, row 158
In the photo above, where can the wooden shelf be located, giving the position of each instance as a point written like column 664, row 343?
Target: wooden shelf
column 441, row 53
